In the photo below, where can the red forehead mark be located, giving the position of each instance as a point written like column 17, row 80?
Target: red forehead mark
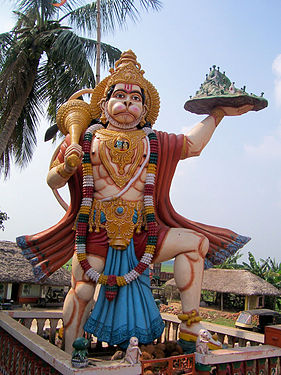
column 128, row 87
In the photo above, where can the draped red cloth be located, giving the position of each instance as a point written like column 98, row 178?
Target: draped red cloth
column 50, row 249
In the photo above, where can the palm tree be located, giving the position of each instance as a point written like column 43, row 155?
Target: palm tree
column 43, row 61
column 3, row 217
column 231, row 262
column 267, row 269
column 259, row 268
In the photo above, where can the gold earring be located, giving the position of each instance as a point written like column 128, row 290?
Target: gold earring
column 142, row 122
column 103, row 119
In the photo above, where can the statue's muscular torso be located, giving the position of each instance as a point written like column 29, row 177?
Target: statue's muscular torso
column 105, row 186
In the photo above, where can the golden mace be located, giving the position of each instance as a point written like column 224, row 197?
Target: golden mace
column 73, row 118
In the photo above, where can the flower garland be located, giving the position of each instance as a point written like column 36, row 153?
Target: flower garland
column 112, row 282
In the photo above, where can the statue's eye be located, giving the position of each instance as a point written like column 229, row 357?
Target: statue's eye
column 119, row 95
column 136, row 98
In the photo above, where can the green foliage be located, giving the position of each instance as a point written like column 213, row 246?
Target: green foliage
column 68, row 265
column 232, row 301
column 167, row 267
column 267, row 269
column 43, row 61
column 231, row 262
column 3, row 217
column 217, row 317
column 259, row 268
column 208, row 297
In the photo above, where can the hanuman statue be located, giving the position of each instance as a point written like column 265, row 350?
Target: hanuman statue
column 120, row 220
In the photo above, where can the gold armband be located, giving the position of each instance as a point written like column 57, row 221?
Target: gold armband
column 62, row 172
column 184, row 148
column 218, row 114
column 54, row 164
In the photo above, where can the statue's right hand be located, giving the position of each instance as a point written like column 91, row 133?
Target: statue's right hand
column 73, row 156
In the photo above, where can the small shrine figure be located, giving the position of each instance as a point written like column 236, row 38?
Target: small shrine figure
column 80, row 353
column 203, row 340
column 133, row 351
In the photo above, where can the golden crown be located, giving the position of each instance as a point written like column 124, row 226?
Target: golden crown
column 127, row 70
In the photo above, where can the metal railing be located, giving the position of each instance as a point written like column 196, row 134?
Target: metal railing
column 228, row 335
column 254, row 360
column 24, row 352
column 38, row 321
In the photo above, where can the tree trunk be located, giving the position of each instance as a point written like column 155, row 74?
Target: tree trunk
column 98, row 43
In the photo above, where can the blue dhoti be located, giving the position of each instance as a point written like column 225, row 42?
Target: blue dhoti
column 133, row 312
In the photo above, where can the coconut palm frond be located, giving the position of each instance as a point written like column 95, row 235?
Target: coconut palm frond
column 16, row 75
column 67, row 46
column 6, row 41
column 113, row 13
column 23, row 139
column 43, row 60
column 44, row 7
column 5, row 162
column 70, row 5
column 58, row 81
column 154, row 4
column 109, row 54
column 25, row 20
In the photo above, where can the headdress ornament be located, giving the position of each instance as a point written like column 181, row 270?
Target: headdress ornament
column 127, row 70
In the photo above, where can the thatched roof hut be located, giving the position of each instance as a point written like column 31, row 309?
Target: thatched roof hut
column 240, row 282
column 14, row 268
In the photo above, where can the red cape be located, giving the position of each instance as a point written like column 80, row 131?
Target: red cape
column 47, row 251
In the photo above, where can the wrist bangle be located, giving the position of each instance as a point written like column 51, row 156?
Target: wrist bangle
column 218, row 114
column 54, row 164
column 62, row 172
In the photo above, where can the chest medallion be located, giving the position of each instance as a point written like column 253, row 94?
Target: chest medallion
column 124, row 149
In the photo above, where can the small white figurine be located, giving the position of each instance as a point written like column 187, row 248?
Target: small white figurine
column 133, row 352
column 202, row 341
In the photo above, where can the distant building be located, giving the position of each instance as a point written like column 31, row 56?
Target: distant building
column 239, row 282
column 17, row 281
column 158, row 277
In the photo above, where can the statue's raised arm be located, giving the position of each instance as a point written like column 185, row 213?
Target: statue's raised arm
column 200, row 134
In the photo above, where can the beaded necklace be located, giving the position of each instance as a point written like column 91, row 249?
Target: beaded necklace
column 112, row 282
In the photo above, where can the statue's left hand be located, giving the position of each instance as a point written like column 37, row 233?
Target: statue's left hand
column 73, row 149
column 232, row 111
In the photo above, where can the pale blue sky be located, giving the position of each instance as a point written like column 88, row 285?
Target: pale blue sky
column 236, row 182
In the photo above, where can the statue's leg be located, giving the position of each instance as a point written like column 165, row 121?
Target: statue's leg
column 189, row 249
column 79, row 300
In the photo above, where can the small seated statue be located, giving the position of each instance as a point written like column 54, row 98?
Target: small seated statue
column 80, row 353
column 205, row 341
column 133, row 351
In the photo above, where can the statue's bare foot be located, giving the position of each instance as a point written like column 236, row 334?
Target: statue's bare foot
column 191, row 328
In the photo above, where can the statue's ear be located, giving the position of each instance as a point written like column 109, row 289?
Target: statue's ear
column 102, row 104
column 144, row 110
